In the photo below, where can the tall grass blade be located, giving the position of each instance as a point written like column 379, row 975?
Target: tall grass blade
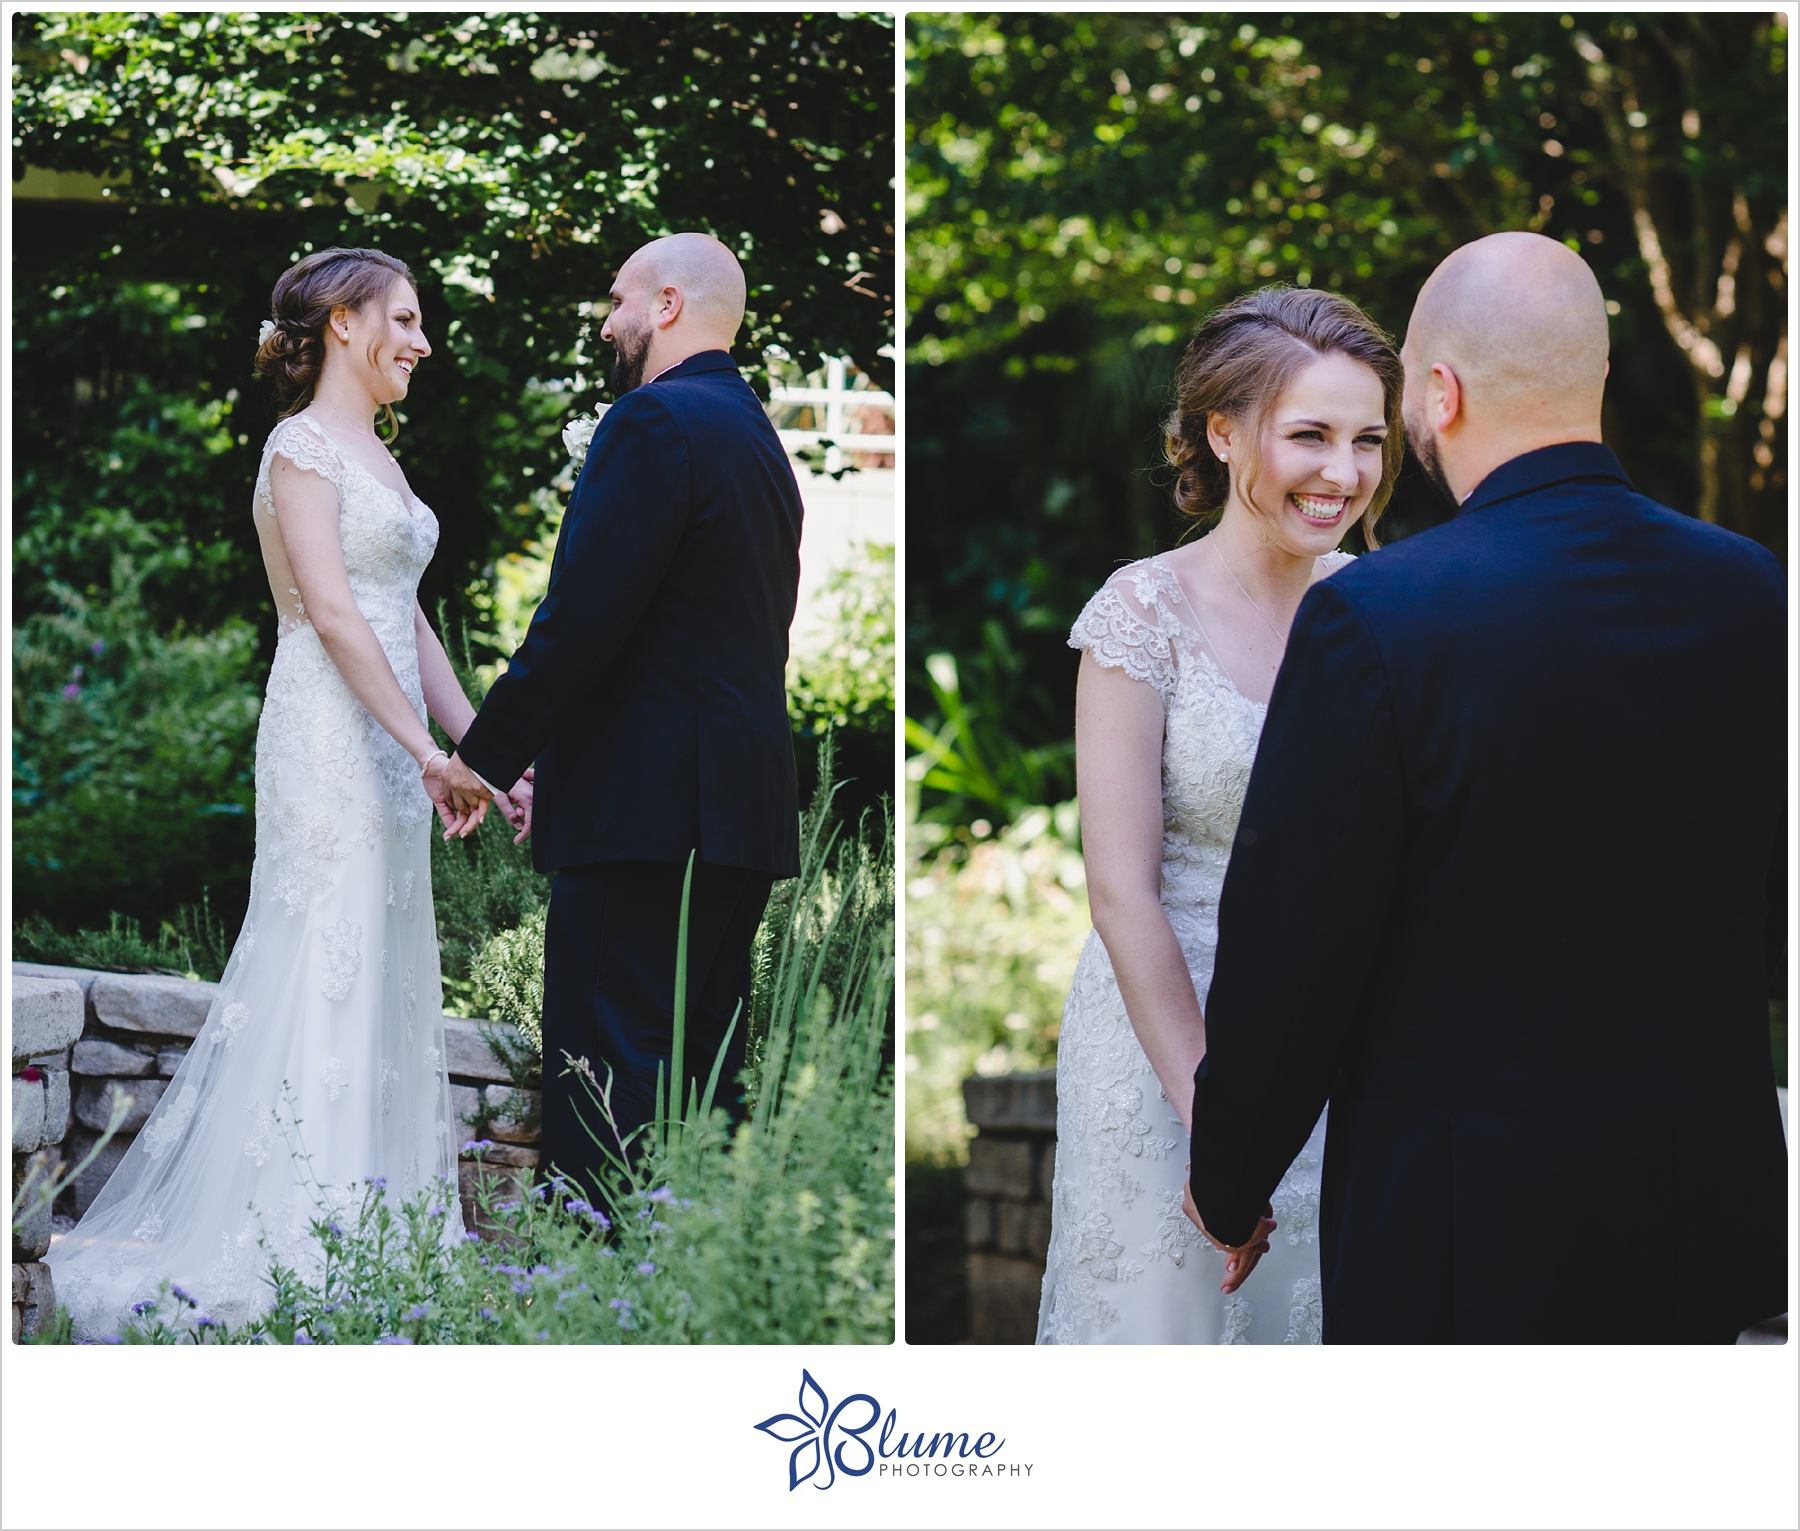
column 679, row 1049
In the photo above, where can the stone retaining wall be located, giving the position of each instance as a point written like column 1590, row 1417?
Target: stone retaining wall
column 1011, row 1162
column 47, row 1021
column 80, row 1037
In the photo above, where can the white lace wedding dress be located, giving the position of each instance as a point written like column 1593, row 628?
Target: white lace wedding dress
column 329, row 1014
column 1125, row 1266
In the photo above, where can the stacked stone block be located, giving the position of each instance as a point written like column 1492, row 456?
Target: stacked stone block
column 47, row 1019
column 81, row 1038
column 136, row 1029
column 1011, row 1162
column 481, row 1089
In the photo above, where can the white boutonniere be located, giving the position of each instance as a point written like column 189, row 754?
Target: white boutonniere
column 580, row 431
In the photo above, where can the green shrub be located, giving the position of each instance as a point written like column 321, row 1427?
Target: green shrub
column 778, row 1232
column 508, row 973
column 994, row 926
column 132, row 759
column 194, row 945
column 844, row 676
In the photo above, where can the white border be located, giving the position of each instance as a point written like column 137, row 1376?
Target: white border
column 1642, row 1437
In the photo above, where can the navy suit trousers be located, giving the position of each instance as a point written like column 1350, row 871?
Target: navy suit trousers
column 609, row 995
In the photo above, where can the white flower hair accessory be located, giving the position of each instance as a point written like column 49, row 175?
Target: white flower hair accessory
column 580, row 431
column 268, row 328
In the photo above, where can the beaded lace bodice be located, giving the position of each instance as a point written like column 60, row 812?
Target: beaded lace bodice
column 387, row 541
column 1124, row 1264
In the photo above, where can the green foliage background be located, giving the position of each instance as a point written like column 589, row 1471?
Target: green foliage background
column 168, row 167
column 1082, row 188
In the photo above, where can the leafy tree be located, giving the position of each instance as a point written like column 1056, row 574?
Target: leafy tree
column 512, row 160
column 168, row 167
column 1081, row 188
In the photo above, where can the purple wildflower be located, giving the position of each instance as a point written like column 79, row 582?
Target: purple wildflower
column 143, row 1307
column 184, row 1297
column 470, row 1236
column 543, row 1334
column 203, row 1322
column 488, row 1314
column 662, row 1193
column 112, row 1339
column 303, row 1338
column 646, row 1268
column 418, row 1310
column 393, row 1339
column 72, row 691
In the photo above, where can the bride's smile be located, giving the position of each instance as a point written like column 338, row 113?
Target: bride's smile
column 1319, row 457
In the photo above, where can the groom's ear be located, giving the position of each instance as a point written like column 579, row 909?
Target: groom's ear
column 669, row 305
column 1448, row 406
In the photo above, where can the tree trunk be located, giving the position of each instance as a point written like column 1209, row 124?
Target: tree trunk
column 1715, row 245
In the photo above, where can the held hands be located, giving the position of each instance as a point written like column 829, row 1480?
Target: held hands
column 460, row 799
column 516, row 804
column 1240, row 1259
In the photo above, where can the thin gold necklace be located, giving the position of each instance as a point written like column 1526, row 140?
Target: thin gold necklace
column 1280, row 637
column 336, row 416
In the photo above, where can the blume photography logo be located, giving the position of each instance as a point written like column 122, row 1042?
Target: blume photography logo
column 822, row 1434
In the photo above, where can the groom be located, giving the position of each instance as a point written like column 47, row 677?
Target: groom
column 1508, row 883
column 650, row 692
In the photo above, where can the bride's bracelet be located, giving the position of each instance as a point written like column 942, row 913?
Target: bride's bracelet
column 425, row 764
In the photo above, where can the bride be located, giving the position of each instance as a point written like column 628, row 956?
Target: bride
column 1288, row 426
column 326, row 1036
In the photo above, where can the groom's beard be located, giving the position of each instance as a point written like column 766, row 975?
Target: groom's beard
column 1424, row 447
column 629, row 353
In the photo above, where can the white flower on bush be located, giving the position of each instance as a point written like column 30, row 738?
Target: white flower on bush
column 580, row 431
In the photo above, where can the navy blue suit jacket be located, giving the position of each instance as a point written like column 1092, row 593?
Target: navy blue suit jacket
column 650, row 689
column 1504, row 890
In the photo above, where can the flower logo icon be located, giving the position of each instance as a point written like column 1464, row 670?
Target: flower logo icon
column 813, row 1459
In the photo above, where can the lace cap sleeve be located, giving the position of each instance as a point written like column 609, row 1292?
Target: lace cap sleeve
column 305, row 444
column 1129, row 625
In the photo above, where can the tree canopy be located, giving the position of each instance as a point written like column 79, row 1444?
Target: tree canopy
column 513, row 160
column 168, row 167
column 1083, row 187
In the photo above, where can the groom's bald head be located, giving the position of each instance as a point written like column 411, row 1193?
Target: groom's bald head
column 1519, row 321
column 674, row 298
column 703, row 271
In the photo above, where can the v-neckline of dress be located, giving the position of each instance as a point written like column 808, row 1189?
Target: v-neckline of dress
column 1205, row 639
column 407, row 501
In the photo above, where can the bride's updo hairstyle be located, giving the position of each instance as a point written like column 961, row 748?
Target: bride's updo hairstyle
column 292, row 352
column 1238, row 364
